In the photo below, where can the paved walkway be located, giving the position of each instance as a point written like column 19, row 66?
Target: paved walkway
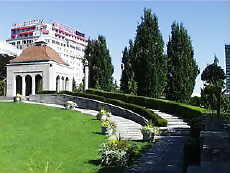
column 166, row 156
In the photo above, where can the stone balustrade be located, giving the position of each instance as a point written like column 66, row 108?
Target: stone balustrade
column 86, row 103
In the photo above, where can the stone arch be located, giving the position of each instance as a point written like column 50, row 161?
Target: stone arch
column 18, row 84
column 38, row 83
column 67, row 84
column 58, row 83
column 28, row 80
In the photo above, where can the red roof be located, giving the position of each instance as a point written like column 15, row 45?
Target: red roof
column 39, row 53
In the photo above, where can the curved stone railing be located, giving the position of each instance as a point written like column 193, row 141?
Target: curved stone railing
column 86, row 103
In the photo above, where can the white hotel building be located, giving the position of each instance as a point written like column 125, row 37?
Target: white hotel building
column 53, row 74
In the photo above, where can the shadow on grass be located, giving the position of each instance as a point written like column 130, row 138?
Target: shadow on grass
column 97, row 133
column 106, row 169
column 94, row 119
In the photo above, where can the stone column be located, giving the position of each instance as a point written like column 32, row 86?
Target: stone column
column 23, row 85
column 86, row 77
column 14, row 86
column 33, row 84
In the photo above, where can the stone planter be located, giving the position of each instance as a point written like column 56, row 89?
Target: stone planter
column 106, row 130
column 69, row 107
column 103, row 118
column 17, row 99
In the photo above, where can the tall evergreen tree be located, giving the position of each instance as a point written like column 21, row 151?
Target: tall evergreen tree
column 181, row 65
column 127, row 69
column 100, row 65
column 149, row 62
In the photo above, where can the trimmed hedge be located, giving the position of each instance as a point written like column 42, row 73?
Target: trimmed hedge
column 184, row 111
column 47, row 92
column 148, row 114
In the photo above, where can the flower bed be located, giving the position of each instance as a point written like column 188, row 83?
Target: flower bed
column 116, row 153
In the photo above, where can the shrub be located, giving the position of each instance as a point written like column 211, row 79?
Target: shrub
column 195, row 101
column 47, row 92
column 149, row 115
column 187, row 112
column 108, row 127
column 116, row 153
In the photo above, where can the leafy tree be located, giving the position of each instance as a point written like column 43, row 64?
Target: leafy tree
column 149, row 63
column 127, row 76
column 181, row 65
column 213, row 76
column 2, row 88
column 100, row 66
column 4, row 59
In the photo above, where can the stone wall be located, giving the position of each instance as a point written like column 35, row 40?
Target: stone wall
column 86, row 103
column 6, row 98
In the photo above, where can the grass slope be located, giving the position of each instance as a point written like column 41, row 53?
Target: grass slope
column 34, row 138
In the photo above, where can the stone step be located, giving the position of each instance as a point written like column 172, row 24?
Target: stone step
column 177, row 131
column 166, row 116
column 179, row 126
column 174, row 120
column 176, row 123
column 134, row 134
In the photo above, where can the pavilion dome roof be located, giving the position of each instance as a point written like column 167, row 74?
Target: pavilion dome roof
column 38, row 53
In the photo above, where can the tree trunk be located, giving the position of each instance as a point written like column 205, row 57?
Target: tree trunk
column 218, row 102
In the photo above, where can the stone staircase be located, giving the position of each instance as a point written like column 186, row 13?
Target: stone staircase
column 127, row 129
column 175, row 126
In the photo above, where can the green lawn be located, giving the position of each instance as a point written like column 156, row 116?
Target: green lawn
column 34, row 138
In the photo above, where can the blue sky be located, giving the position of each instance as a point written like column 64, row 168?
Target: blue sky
column 207, row 22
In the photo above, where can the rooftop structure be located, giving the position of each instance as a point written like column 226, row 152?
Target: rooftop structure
column 8, row 49
column 69, row 43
